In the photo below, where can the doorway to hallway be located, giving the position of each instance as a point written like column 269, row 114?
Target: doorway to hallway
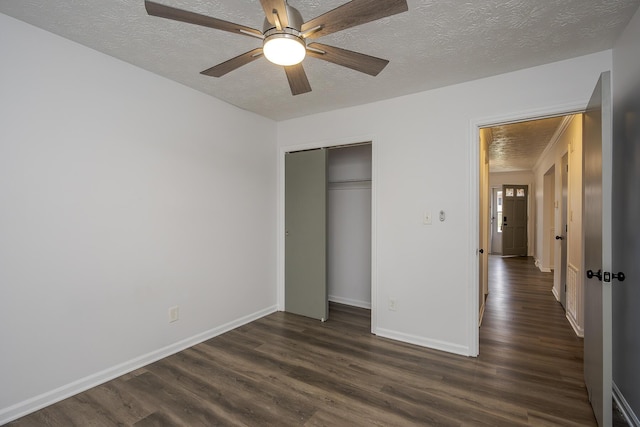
column 523, row 157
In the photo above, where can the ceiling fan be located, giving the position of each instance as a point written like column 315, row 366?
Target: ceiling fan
column 285, row 35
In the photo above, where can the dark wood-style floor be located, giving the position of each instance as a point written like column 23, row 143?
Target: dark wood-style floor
column 288, row 370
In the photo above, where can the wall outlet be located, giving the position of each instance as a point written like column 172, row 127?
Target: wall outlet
column 174, row 314
column 393, row 304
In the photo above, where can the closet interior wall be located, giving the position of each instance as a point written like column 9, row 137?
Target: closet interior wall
column 349, row 225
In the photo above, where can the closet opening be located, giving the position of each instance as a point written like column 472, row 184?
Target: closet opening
column 349, row 225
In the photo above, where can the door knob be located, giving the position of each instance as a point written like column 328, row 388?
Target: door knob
column 481, row 251
column 559, row 238
column 619, row 276
column 591, row 274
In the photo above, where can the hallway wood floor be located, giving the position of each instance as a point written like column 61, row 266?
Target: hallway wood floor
column 288, row 370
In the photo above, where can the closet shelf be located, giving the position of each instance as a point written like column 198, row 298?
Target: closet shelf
column 349, row 181
column 360, row 184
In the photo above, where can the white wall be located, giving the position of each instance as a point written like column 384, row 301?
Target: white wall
column 426, row 158
column 567, row 140
column 626, row 208
column 497, row 179
column 575, row 233
column 121, row 194
column 350, row 163
column 349, row 226
column 546, row 233
column 546, row 173
column 539, row 204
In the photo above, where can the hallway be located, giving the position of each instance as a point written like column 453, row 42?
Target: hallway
column 526, row 339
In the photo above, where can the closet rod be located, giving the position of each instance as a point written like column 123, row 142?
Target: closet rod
column 347, row 181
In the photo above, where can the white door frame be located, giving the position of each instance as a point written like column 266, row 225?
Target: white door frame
column 474, row 198
column 493, row 220
column 280, row 228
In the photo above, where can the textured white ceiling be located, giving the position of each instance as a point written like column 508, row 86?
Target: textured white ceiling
column 434, row 44
column 517, row 146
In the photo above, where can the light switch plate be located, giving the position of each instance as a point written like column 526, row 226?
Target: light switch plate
column 427, row 218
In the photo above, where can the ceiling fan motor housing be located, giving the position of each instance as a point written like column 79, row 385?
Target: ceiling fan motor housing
column 294, row 20
column 291, row 31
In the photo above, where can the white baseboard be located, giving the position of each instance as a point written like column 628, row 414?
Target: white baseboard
column 555, row 294
column 45, row 399
column 352, row 302
column 541, row 267
column 576, row 328
column 423, row 342
column 628, row 413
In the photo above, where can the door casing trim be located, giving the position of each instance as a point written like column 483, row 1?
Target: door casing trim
column 474, row 199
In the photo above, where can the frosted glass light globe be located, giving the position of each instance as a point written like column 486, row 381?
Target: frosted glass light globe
column 284, row 49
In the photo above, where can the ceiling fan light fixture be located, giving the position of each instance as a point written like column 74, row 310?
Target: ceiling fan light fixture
column 284, row 36
column 284, row 49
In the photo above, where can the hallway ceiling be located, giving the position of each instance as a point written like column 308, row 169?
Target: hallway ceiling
column 434, row 44
column 517, row 147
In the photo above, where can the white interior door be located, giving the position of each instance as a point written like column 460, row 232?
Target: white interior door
column 597, row 162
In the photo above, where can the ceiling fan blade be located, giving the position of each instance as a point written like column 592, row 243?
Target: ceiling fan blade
column 356, row 61
column 298, row 81
column 234, row 63
column 281, row 6
column 356, row 12
column 168, row 12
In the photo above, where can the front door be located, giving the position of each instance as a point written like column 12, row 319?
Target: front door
column 305, row 217
column 597, row 163
column 514, row 219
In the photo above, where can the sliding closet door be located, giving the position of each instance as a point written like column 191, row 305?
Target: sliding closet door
column 306, row 234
